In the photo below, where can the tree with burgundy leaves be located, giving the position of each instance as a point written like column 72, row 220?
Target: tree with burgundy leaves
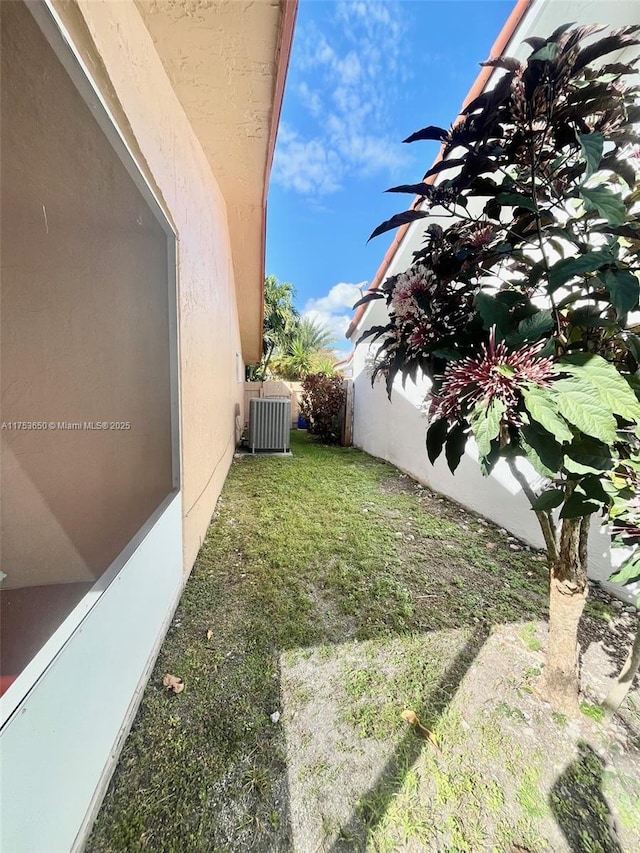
column 517, row 305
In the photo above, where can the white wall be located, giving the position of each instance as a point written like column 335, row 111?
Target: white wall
column 396, row 431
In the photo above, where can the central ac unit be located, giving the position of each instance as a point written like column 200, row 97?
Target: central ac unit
column 269, row 424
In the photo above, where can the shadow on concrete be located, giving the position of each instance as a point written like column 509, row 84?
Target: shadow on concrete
column 580, row 808
column 366, row 817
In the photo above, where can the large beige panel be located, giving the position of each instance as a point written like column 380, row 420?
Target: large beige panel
column 85, row 334
column 221, row 58
column 118, row 48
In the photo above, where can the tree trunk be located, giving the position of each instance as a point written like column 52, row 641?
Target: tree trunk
column 567, row 595
column 618, row 692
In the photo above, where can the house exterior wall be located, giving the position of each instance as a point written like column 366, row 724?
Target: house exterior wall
column 396, row 431
column 120, row 52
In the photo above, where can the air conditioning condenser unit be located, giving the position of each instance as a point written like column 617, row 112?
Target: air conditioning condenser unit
column 269, row 424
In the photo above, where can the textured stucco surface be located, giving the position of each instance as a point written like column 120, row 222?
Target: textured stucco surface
column 221, row 59
column 119, row 50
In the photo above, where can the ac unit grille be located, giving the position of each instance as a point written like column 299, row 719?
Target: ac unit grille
column 269, row 424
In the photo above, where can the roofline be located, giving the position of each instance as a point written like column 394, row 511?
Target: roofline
column 506, row 34
column 287, row 26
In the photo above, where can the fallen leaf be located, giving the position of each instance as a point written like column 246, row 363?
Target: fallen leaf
column 209, row 634
column 412, row 718
column 173, row 682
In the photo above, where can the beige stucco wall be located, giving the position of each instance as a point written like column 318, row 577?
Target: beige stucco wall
column 208, row 320
column 120, row 53
column 222, row 59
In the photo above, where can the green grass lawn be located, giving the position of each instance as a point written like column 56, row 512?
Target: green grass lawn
column 303, row 555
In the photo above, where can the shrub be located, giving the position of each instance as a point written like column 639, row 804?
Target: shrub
column 321, row 405
column 518, row 304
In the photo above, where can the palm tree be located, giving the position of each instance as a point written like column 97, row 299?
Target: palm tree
column 306, row 352
column 280, row 319
column 314, row 335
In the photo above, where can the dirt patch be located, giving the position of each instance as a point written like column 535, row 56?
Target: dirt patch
column 343, row 729
column 508, row 774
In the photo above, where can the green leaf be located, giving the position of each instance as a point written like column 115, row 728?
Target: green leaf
column 578, row 505
column 454, row 446
column 548, row 500
column 447, row 353
column 580, row 403
column 591, row 146
column 547, row 53
column 485, row 424
column 488, row 463
column 569, row 268
column 517, row 200
column 543, row 409
column 588, row 456
column 505, row 369
column 614, row 391
column 492, row 311
column 629, row 571
column 542, row 450
column 624, row 290
column 510, row 298
column 590, row 317
column 436, row 437
column 533, row 328
column 592, row 488
column 608, row 204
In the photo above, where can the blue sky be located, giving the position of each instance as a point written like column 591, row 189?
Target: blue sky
column 364, row 74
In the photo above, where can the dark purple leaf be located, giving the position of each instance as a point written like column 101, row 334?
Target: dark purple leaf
column 443, row 165
column 616, row 41
column 433, row 133
column 555, row 35
column 436, row 437
column 399, row 219
column 415, row 189
column 506, row 62
column 535, row 42
column 368, row 297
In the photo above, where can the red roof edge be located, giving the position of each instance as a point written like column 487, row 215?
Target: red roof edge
column 506, row 34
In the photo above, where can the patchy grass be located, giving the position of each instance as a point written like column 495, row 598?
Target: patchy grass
column 327, row 562
column 528, row 637
column 595, row 712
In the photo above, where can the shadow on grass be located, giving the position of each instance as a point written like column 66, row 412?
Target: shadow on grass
column 372, row 807
column 580, row 808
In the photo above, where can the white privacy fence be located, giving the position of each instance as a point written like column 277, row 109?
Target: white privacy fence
column 396, row 431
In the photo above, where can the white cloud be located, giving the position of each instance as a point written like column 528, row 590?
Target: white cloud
column 307, row 167
column 330, row 310
column 311, row 99
column 341, row 295
column 348, row 89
